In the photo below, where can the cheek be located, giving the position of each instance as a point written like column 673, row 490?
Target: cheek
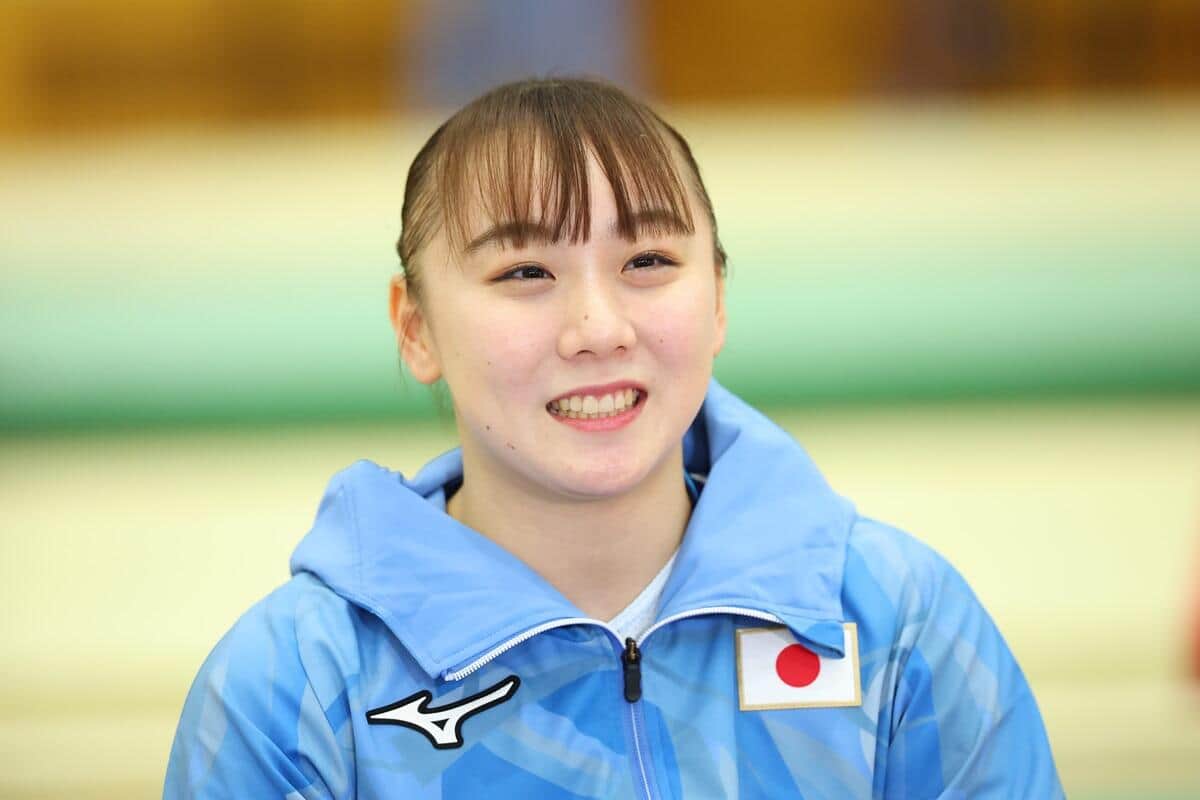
column 681, row 328
column 499, row 343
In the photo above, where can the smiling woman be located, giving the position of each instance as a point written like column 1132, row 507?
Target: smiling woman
column 577, row 274
column 625, row 582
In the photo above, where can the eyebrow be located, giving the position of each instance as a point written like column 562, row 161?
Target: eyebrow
column 652, row 220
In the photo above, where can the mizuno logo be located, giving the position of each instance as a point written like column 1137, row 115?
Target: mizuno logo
column 442, row 725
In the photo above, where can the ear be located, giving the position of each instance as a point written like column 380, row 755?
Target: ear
column 413, row 337
column 719, row 337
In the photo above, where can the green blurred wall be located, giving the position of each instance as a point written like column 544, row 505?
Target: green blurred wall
column 876, row 254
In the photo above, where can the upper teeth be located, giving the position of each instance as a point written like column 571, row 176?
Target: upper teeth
column 587, row 406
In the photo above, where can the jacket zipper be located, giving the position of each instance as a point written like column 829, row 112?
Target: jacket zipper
column 631, row 660
column 631, row 668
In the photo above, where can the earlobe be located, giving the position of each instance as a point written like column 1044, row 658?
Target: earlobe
column 412, row 333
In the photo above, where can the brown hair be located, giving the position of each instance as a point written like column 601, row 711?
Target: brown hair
column 525, row 145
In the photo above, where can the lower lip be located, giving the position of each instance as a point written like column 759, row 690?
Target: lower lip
column 604, row 423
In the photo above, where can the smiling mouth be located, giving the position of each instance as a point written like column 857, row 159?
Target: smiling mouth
column 588, row 406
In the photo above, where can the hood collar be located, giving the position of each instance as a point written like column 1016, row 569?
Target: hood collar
column 767, row 534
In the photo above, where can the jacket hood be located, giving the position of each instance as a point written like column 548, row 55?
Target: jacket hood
column 767, row 534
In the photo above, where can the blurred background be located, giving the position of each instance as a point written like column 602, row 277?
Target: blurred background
column 965, row 272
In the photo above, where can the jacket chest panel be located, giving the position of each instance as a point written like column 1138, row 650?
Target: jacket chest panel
column 559, row 732
column 701, row 734
column 565, row 729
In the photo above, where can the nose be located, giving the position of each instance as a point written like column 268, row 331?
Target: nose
column 597, row 323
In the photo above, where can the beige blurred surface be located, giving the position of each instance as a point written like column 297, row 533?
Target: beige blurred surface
column 125, row 557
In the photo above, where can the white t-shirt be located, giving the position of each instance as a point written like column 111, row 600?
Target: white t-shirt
column 638, row 616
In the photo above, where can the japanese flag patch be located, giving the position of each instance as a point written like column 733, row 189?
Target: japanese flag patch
column 775, row 671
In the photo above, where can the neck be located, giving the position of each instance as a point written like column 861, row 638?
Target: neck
column 599, row 553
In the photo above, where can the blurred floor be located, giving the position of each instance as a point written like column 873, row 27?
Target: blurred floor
column 127, row 556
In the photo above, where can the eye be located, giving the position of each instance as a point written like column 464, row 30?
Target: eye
column 649, row 261
column 525, row 272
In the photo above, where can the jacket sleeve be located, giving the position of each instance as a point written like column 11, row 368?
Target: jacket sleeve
column 964, row 721
column 252, row 726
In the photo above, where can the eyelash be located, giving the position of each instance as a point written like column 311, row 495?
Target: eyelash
column 659, row 257
column 512, row 274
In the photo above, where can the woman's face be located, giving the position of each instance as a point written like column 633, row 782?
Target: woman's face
column 516, row 332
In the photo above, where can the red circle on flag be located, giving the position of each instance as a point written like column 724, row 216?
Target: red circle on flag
column 796, row 665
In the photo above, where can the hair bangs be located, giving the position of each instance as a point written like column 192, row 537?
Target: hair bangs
column 521, row 162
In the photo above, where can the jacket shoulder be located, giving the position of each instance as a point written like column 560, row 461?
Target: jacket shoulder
column 956, row 712
column 894, row 563
column 268, row 706
column 903, row 589
column 302, row 637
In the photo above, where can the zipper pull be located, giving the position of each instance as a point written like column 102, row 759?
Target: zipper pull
column 632, row 661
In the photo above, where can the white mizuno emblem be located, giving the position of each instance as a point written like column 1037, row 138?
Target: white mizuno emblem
column 442, row 725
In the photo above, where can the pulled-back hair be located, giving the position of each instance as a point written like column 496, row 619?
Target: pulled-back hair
column 522, row 149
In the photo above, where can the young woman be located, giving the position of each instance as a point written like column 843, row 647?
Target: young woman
column 626, row 583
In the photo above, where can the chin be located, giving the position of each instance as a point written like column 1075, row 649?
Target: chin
column 597, row 481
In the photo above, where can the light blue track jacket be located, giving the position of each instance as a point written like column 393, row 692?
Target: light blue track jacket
column 410, row 657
